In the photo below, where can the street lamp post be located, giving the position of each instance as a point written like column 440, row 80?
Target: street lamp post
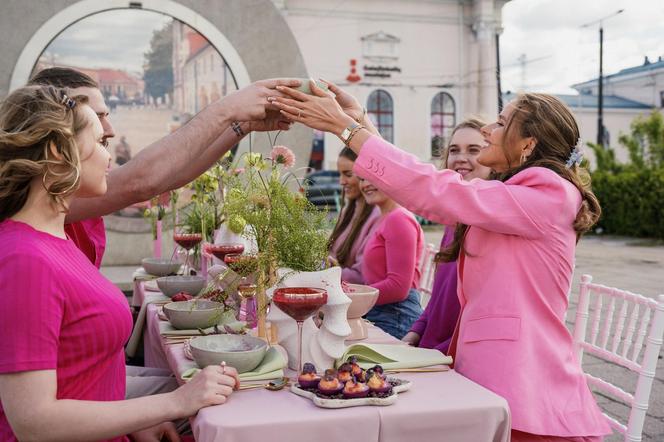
column 600, row 91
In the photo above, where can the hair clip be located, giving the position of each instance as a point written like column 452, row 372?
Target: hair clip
column 576, row 155
column 70, row 103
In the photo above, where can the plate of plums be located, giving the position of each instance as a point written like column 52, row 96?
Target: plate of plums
column 348, row 386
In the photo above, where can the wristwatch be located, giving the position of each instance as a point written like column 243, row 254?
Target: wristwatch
column 347, row 133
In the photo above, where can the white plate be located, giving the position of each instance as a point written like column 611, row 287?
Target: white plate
column 344, row 403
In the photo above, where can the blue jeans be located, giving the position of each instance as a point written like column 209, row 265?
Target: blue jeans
column 397, row 318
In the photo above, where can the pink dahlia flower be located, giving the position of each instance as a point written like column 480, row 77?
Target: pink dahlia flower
column 283, row 155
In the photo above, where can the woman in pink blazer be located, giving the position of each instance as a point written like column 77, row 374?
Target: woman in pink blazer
column 515, row 251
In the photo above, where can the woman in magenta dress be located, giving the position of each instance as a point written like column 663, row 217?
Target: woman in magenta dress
column 355, row 223
column 435, row 326
column 515, row 247
column 64, row 326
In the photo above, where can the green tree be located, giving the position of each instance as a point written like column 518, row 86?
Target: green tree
column 158, row 71
column 606, row 158
column 645, row 143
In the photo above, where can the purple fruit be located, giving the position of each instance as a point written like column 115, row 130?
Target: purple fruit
column 354, row 390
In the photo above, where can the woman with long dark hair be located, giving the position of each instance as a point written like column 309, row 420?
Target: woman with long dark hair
column 355, row 223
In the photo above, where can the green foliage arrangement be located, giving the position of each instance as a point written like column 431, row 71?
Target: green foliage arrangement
column 288, row 230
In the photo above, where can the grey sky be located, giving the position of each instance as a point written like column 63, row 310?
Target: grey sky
column 93, row 41
column 551, row 29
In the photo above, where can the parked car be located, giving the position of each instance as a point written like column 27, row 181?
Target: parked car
column 323, row 190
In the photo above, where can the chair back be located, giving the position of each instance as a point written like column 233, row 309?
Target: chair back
column 626, row 329
column 427, row 273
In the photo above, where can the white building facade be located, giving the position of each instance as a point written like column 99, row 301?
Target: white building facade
column 419, row 67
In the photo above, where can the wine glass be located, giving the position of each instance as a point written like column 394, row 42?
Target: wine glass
column 221, row 250
column 187, row 241
column 244, row 267
column 247, row 291
column 299, row 303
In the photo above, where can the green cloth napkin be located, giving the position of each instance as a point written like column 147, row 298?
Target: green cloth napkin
column 141, row 275
column 272, row 367
column 393, row 356
column 227, row 318
column 166, row 329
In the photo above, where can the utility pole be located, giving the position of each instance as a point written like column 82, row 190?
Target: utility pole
column 522, row 66
column 600, row 89
column 500, row 89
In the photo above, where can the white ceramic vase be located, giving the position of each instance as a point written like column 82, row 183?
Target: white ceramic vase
column 320, row 346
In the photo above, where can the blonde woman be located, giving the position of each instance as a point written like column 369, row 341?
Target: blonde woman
column 64, row 326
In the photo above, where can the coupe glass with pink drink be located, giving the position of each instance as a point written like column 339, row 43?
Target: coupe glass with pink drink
column 299, row 303
column 187, row 241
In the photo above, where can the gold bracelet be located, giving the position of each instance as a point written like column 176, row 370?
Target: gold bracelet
column 361, row 117
column 352, row 134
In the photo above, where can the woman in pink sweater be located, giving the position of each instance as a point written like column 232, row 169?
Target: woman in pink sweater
column 515, row 250
column 390, row 264
column 356, row 221
column 64, row 326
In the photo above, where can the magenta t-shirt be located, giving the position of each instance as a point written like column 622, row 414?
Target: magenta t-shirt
column 59, row 313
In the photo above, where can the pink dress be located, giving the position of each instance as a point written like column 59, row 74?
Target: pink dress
column 353, row 273
column 59, row 313
column 512, row 284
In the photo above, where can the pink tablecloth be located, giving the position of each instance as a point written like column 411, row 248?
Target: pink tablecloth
column 441, row 406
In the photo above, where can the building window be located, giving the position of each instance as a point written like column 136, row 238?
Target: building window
column 661, row 98
column 381, row 111
column 443, row 120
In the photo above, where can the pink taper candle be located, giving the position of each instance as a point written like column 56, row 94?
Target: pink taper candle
column 157, row 241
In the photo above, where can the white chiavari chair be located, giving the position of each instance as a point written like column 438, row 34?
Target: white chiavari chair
column 620, row 321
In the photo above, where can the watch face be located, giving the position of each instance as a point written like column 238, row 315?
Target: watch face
column 345, row 134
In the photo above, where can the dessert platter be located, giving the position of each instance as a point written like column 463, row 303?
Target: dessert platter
column 349, row 386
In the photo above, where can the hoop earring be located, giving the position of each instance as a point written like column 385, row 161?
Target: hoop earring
column 67, row 190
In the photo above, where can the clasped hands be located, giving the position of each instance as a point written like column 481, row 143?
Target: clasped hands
column 275, row 104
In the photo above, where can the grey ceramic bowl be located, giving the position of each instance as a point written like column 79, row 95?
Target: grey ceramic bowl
column 160, row 266
column 194, row 314
column 240, row 351
column 170, row 285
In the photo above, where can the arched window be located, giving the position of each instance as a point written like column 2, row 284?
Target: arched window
column 381, row 111
column 443, row 120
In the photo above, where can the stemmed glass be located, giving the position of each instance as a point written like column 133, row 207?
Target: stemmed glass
column 299, row 303
column 221, row 250
column 247, row 291
column 187, row 241
column 245, row 267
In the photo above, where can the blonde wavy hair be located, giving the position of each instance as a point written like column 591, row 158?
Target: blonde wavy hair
column 36, row 121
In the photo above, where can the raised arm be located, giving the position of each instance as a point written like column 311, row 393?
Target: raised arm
column 526, row 205
column 180, row 157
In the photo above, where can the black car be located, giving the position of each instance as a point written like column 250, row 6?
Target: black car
column 322, row 188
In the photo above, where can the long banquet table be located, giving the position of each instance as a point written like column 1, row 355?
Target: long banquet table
column 440, row 406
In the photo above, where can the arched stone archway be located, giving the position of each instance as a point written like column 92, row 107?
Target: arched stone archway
column 237, row 28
